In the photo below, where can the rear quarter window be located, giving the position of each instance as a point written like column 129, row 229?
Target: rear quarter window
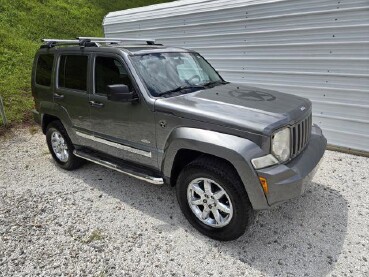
column 44, row 69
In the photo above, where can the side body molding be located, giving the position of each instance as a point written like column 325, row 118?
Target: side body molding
column 238, row 151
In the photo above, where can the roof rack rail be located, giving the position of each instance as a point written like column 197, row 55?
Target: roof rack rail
column 90, row 41
column 102, row 39
column 51, row 42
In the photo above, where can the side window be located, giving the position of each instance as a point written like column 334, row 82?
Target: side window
column 73, row 72
column 109, row 71
column 44, row 69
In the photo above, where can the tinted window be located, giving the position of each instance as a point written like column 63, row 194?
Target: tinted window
column 44, row 69
column 73, row 72
column 109, row 71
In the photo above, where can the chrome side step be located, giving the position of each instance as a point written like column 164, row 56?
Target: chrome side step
column 130, row 171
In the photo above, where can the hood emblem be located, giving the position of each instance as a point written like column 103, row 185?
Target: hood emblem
column 302, row 108
column 252, row 95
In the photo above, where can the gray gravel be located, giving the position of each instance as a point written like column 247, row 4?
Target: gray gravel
column 98, row 222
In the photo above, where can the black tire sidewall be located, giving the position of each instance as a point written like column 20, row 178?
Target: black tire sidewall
column 241, row 208
column 57, row 126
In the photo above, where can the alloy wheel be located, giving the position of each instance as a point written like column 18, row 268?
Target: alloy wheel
column 209, row 202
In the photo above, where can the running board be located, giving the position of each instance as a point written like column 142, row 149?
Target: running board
column 121, row 167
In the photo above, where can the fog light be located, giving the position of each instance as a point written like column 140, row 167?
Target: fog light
column 264, row 184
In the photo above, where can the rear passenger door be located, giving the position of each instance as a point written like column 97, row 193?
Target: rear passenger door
column 71, row 92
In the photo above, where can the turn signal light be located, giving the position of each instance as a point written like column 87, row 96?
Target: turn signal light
column 264, row 184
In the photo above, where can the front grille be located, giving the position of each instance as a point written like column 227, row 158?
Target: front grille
column 300, row 135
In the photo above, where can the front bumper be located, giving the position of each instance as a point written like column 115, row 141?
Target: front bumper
column 286, row 181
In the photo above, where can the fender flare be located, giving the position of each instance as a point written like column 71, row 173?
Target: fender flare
column 236, row 150
column 52, row 109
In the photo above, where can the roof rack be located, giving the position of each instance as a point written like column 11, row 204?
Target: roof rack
column 50, row 42
column 91, row 41
column 100, row 39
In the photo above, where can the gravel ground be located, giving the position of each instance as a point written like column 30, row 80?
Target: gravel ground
column 98, row 222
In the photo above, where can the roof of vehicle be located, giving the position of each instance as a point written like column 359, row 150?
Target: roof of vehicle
column 106, row 45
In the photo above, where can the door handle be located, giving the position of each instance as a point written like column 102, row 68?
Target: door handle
column 96, row 104
column 58, row 96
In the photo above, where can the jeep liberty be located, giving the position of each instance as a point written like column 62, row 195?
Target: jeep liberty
column 165, row 115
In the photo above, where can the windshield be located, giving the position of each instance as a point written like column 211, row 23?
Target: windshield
column 165, row 73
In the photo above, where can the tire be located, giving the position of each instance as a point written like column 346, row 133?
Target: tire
column 239, row 210
column 65, row 158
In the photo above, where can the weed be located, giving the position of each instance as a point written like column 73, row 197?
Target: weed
column 101, row 274
column 94, row 236
column 33, row 130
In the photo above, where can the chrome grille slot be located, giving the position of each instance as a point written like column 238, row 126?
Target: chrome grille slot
column 300, row 135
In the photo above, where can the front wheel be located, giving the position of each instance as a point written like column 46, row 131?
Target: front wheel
column 213, row 199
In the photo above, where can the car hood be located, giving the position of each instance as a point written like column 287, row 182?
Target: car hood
column 238, row 106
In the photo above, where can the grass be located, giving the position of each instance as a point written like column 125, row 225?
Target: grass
column 24, row 22
column 101, row 274
column 33, row 130
column 95, row 235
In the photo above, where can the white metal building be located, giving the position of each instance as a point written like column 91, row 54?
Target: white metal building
column 318, row 49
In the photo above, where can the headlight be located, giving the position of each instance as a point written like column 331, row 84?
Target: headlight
column 281, row 144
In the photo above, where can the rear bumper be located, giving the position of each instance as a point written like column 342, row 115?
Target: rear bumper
column 287, row 181
column 36, row 116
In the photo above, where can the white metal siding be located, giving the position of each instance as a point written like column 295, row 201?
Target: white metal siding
column 318, row 49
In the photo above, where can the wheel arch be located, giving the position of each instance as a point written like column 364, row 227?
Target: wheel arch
column 185, row 144
column 184, row 157
column 46, row 120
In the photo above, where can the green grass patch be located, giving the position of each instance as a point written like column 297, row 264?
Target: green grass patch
column 95, row 235
column 24, row 22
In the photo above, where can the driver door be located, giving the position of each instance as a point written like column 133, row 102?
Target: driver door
column 123, row 129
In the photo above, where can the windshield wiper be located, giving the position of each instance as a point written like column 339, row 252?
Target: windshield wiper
column 214, row 83
column 180, row 88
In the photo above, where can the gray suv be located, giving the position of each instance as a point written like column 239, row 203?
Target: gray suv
column 165, row 115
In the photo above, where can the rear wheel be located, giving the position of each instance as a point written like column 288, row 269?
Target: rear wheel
column 213, row 199
column 61, row 147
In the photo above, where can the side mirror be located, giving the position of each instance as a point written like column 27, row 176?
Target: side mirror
column 120, row 93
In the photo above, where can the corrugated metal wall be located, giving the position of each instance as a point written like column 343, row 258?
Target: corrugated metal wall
column 318, row 49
